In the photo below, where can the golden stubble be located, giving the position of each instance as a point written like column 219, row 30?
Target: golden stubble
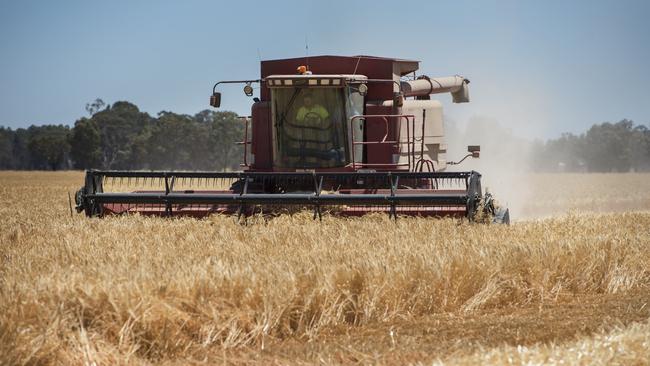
column 134, row 289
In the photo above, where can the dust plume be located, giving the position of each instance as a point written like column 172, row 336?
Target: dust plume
column 511, row 171
column 504, row 163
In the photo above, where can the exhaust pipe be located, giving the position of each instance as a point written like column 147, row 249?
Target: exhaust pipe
column 456, row 85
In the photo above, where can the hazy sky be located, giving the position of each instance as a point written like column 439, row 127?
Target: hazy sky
column 538, row 67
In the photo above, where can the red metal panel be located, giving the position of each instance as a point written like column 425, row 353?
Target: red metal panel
column 262, row 136
column 372, row 67
column 375, row 130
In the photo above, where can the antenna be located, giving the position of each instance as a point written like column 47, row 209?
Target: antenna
column 356, row 66
column 307, row 52
column 259, row 54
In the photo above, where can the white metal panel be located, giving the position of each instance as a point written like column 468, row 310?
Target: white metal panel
column 428, row 114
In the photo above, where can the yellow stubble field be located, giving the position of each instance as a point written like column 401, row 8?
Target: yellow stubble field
column 569, row 280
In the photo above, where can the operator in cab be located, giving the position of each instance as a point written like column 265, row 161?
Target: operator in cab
column 311, row 111
column 312, row 140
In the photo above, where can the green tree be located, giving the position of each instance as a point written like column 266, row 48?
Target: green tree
column 225, row 129
column 119, row 126
column 176, row 141
column 21, row 153
column 49, row 147
column 565, row 153
column 608, row 146
column 6, row 148
column 95, row 106
column 85, row 144
column 640, row 148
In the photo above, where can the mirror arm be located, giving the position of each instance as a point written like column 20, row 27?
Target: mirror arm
column 214, row 88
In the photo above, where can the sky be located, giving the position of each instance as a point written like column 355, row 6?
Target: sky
column 539, row 68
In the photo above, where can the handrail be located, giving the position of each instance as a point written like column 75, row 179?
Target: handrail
column 410, row 152
column 245, row 142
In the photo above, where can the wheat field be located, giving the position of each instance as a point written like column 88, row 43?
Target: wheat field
column 568, row 284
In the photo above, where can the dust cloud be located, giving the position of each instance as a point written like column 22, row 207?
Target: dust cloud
column 505, row 161
column 510, row 168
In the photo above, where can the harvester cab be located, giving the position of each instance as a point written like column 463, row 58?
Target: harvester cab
column 310, row 116
column 360, row 134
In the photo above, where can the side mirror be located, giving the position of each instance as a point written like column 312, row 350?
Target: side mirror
column 475, row 150
column 215, row 99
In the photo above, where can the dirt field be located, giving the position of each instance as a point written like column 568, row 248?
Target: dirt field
column 574, row 287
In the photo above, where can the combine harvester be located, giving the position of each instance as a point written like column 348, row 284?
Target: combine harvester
column 357, row 135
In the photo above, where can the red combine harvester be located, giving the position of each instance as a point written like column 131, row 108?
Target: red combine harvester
column 347, row 135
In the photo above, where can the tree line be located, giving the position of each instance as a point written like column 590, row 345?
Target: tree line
column 605, row 147
column 120, row 136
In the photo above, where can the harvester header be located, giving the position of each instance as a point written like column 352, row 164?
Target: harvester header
column 349, row 135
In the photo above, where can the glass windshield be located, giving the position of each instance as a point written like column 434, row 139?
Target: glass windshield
column 309, row 128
